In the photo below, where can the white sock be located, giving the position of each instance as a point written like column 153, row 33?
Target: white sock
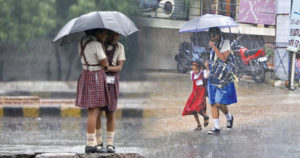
column 228, row 116
column 110, row 137
column 98, row 136
column 91, row 139
column 217, row 123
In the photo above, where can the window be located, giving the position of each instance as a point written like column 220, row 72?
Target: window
column 221, row 7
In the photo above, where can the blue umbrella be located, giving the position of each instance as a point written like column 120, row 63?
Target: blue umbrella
column 112, row 20
column 203, row 23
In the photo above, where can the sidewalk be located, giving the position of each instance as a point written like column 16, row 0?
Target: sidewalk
column 48, row 99
column 158, row 95
column 61, row 89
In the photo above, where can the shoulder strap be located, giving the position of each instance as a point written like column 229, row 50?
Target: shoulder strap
column 82, row 46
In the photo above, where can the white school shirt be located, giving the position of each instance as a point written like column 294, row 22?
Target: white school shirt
column 119, row 53
column 93, row 52
column 196, row 76
column 223, row 48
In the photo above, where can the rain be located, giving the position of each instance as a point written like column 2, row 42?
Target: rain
column 40, row 69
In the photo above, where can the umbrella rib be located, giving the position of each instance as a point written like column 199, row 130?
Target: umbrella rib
column 101, row 20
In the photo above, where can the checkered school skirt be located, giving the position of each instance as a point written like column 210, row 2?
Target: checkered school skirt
column 92, row 90
column 113, row 93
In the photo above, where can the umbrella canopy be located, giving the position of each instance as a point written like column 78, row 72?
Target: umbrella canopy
column 112, row 20
column 203, row 23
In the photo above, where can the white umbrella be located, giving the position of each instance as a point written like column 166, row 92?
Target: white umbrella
column 203, row 23
column 112, row 20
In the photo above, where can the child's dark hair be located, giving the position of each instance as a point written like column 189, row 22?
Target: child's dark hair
column 198, row 64
column 93, row 32
column 214, row 31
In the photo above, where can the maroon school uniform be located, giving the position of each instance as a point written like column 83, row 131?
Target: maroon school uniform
column 92, row 90
column 113, row 89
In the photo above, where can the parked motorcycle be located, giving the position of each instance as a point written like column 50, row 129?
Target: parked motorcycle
column 251, row 62
column 188, row 53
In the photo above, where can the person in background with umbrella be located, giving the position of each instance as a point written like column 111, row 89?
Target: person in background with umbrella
column 220, row 98
column 116, row 56
column 92, row 91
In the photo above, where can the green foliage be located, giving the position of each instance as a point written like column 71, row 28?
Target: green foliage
column 129, row 7
column 24, row 20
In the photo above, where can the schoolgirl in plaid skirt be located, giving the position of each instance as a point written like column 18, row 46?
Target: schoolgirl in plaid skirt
column 92, row 90
column 116, row 57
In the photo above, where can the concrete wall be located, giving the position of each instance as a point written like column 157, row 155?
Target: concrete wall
column 35, row 61
column 149, row 49
column 39, row 60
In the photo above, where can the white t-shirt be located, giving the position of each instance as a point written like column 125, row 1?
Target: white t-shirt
column 225, row 46
column 196, row 76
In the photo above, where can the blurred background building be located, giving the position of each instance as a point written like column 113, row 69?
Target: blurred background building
column 29, row 26
column 161, row 20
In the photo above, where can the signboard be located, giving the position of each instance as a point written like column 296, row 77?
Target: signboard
column 282, row 30
column 294, row 32
column 283, row 6
column 257, row 11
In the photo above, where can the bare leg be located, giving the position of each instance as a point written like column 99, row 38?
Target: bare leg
column 197, row 119
column 205, row 117
column 98, row 125
column 223, row 108
column 202, row 113
column 92, row 119
column 110, row 124
column 215, row 111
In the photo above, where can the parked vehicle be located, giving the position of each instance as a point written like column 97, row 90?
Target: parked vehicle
column 187, row 54
column 251, row 62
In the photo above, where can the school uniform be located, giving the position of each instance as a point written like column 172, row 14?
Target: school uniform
column 92, row 90
column 196, row 102
column 114, row 54
column 227, row 94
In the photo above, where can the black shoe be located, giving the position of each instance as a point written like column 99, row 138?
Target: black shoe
column 230, row 123
column 214, row 131
column 110, row 149
column 199, row 128
column 90, row 149
column 100, row 148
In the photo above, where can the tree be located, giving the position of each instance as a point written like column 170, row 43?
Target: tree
column 129, row 7
column 26, row 19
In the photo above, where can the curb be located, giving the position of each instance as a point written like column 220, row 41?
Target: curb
column 65, row 94
column 33, row 106
column 76, row 112
column 61, row 111
column 30, row 111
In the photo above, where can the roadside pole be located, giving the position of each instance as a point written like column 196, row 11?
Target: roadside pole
column 294, row 37
column 292, row 87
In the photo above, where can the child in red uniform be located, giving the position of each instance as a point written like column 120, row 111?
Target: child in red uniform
column 196, row 104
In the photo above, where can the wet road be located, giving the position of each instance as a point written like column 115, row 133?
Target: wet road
column 279, row 137
column 266, row 125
